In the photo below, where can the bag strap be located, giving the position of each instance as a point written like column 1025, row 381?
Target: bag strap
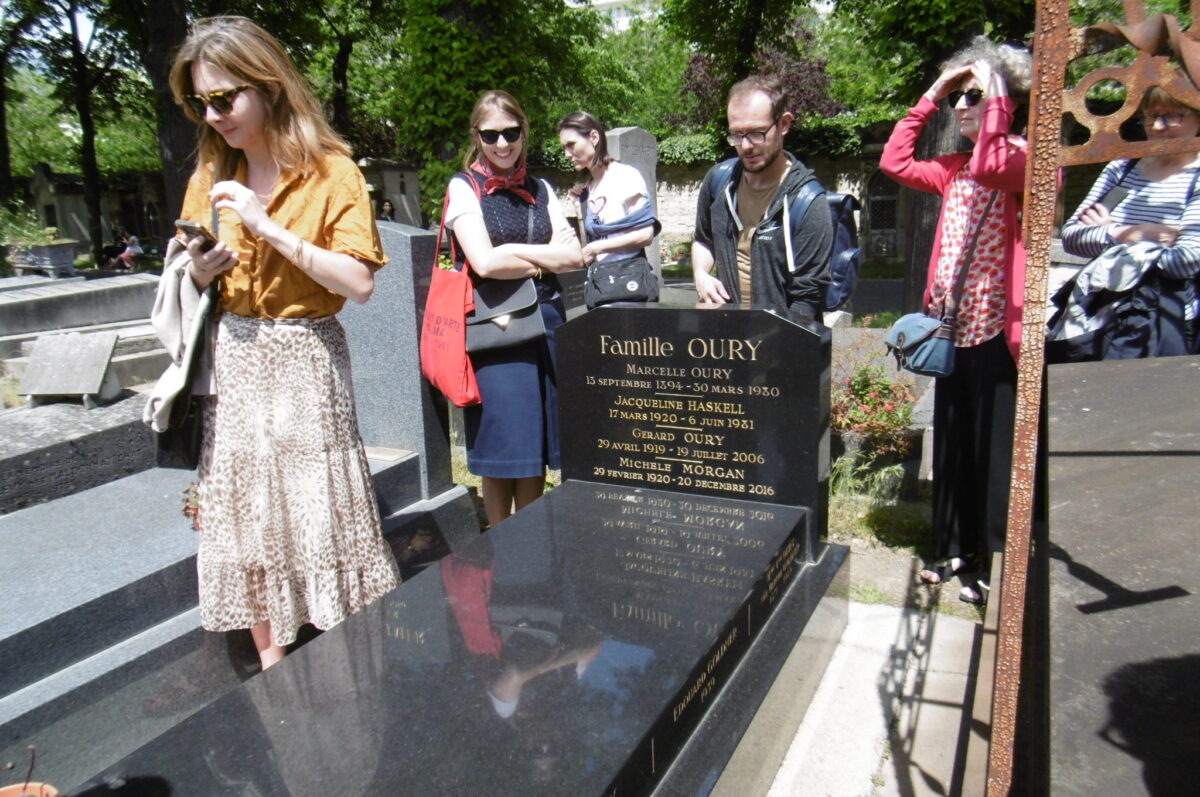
column 950, row 313
column 584, row 196
column 215, row 286
column 797, row 209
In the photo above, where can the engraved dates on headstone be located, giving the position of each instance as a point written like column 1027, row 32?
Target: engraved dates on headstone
column 730, row 403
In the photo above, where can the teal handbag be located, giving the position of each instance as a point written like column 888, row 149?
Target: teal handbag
column 924, row 344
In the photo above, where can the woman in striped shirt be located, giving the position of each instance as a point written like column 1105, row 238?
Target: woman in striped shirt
column 1156, row 203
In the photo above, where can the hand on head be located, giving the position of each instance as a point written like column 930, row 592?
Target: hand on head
column 992, row 80
column 947, row 81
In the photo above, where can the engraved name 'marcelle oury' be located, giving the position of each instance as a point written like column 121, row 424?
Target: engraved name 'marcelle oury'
column 697, row 348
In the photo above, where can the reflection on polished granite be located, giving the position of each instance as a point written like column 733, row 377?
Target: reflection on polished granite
column 569, row 651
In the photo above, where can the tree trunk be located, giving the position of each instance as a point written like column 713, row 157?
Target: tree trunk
column 166, row 28
column 341, row 85
column 748, row 40
column 87, row 144
column 12, row 40
column 6, row 179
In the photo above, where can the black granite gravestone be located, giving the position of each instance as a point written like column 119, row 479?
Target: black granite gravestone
column 586, row 641
column 570, row 651
column 721, row 402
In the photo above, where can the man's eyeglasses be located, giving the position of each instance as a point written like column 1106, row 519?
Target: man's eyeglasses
column 973, row 96
column 511, row 135
column 1171, row 119
column 755, row 137
column 221, row 101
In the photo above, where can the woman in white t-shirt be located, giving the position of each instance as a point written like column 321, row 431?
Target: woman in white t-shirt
column 618, row 219
column 508, row 226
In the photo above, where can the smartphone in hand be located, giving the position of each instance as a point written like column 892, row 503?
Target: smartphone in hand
column 194, row 230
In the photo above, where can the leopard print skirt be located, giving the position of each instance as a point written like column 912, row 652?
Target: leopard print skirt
column 290, row 529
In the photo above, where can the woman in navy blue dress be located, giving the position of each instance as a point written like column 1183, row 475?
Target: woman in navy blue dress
column 509, row 225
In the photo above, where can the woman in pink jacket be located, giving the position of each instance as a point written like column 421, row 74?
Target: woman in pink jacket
column 981, row 198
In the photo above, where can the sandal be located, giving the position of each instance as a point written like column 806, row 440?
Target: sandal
column 939, row 571
column 975, row 594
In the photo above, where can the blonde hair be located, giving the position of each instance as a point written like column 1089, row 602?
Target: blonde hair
column 502, row 101
column 297, row 133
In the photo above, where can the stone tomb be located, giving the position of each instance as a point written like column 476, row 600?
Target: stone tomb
column 572, row 650
column 72, row 364
column 719, row 402
column 611, row 638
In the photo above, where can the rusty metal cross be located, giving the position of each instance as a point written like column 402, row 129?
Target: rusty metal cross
column 1056, row 43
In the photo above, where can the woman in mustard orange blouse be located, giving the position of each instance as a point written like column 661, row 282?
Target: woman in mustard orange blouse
column 289, row 527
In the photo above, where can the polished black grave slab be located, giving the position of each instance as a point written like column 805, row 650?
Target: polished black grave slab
column 1124, row 663
column 728, row 402
column 572, row 650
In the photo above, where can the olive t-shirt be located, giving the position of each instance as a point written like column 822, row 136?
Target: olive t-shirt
column 752, row 203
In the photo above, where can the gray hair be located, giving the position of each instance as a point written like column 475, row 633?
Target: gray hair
column 1014, row 64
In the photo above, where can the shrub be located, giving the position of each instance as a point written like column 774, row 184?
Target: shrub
column 686, row 149
column 20, row 227
column 877, row 408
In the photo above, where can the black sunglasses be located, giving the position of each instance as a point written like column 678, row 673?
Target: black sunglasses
column 973, row 97
column 511, row 135
column 221, row 101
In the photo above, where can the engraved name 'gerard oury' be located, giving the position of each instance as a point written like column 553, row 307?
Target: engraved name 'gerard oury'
column 697, row 348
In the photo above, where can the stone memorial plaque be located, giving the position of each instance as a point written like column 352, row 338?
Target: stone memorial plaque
column 571, row 650
column 719, row 402
column 72, row 364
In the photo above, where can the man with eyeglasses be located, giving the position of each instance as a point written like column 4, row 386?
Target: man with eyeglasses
column 762, row 217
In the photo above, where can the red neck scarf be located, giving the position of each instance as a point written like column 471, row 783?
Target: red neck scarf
column 514, row 182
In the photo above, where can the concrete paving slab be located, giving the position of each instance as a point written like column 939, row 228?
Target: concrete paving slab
column 886, row 718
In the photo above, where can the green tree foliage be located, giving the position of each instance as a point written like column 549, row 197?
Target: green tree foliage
column 736, row 37
column 87, row 65
column 456, row 50
column 40, row 132
column 632, row 77
column 731, row 31
column 869, row 85
column 926, row 31
column 16, row 19
column 153, row 29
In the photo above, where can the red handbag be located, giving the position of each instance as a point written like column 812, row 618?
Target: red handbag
column 444, row 360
